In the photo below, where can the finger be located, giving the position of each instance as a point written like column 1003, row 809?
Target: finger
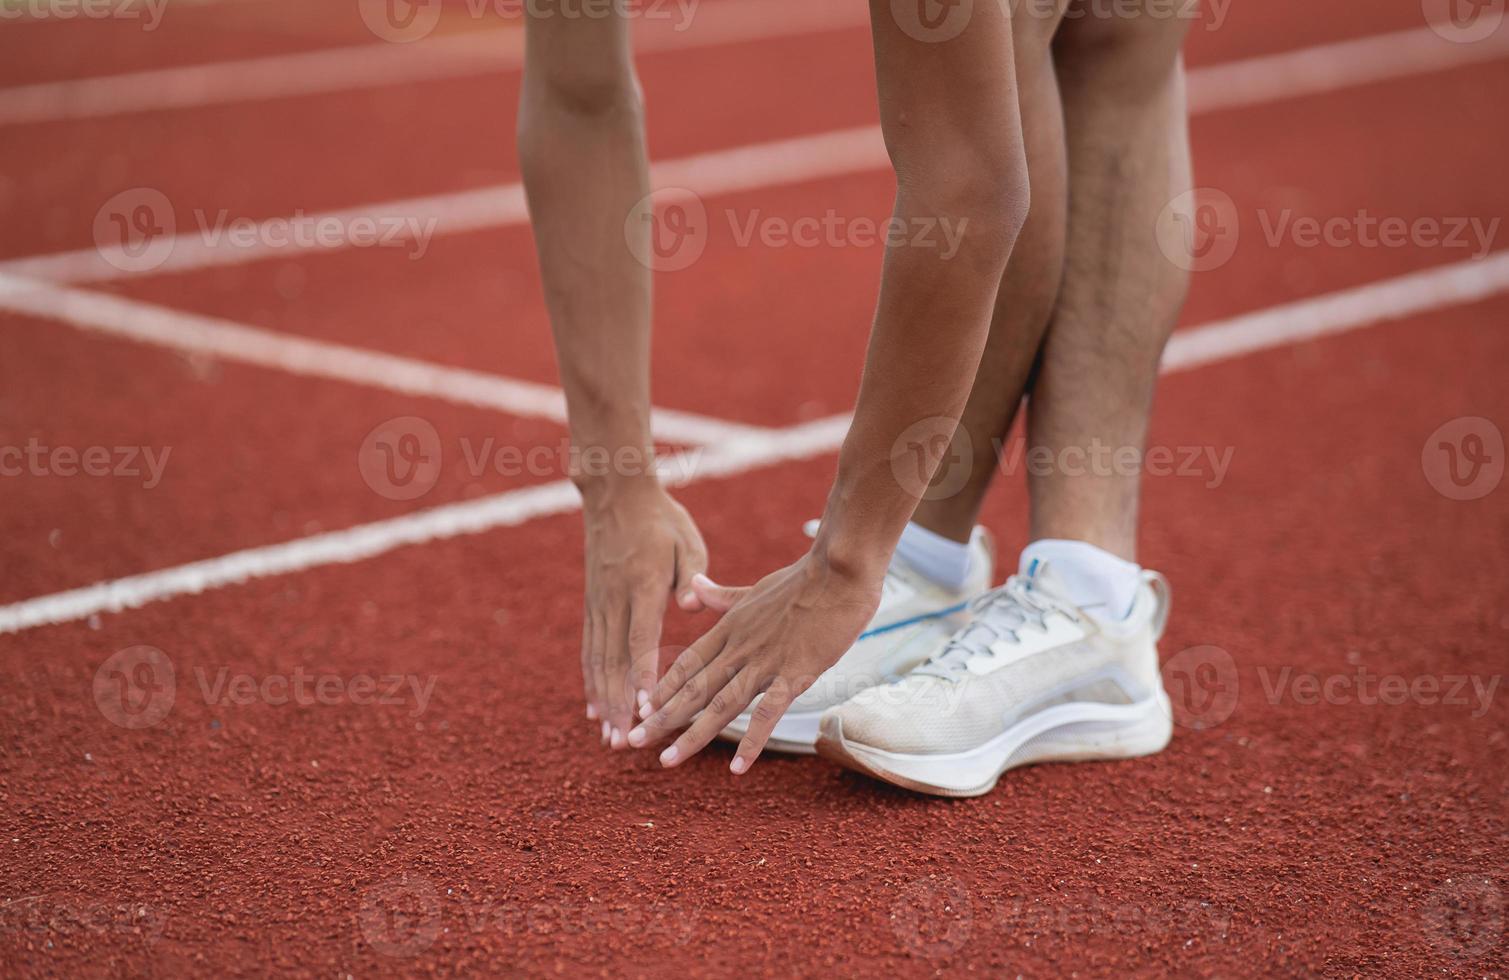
column 646, row 616
column 620, row 701
column 691, row 561
column 589, row 676
column 722, row 708
column 773, row 704
column 596, row 639
column 719, row 598
column 686, row 666
column 681, row 709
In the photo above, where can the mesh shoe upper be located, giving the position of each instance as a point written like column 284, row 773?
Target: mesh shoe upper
column 1026, row 648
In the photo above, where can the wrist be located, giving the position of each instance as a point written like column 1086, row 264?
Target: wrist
column 606, row 490
column 850, row 556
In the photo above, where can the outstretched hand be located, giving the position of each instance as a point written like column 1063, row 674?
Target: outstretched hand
column 641, row 548
column 775, row 639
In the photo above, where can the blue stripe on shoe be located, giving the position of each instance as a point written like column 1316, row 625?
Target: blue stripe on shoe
column 876, row 631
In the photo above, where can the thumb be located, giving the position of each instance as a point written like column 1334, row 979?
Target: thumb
column 719, row 598
column 691, row 562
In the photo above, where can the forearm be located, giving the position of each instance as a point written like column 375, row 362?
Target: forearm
column 930, row 327
column 582, row 150
column 951, row 122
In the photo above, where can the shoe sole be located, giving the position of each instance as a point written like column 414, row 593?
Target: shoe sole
column 795, row 733
column 1076, row 732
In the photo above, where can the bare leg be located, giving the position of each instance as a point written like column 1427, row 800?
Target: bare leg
column 1024, row 303
column 1122, row 84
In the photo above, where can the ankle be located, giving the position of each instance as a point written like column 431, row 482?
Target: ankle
column 937, row 557
column 1097, row 580
column 946, row 519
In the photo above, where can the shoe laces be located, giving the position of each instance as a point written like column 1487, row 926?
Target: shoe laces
column 998, row 615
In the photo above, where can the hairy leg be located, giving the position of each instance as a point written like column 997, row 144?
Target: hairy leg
column 1122, row 85
column 1025, row 300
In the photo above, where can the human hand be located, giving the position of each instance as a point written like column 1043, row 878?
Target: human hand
column 777, row 637
column 641, row 547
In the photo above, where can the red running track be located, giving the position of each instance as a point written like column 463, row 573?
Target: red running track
column 474, row 824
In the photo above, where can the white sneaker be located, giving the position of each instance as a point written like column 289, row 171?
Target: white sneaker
column 916, row 617
column 1032, row 678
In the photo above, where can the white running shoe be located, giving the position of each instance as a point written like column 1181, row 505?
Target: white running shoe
column 916, row 617
column 1031, row 679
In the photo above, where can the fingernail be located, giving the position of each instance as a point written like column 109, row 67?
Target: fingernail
column 699, row 577
column 643, row 697
column 591, row 712
column 669, row 756
column 607, row 728
column 738, row 765
column 618, row 739
column 687, row 599
column 637, row 737
column 646, row 709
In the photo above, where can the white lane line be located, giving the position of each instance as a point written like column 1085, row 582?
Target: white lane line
column 462, row 55
column 150, row 324
column 1380, row 302
column 776, row 163
column 1349, row 309
column 1329, row 67
column 770, row 164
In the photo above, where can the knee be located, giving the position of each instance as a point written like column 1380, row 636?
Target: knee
column 592, row 87
column 1125, row 36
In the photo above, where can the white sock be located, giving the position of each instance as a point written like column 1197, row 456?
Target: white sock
column 1095, row 579
column 941, row 559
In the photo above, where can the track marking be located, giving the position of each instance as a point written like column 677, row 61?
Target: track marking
column 791, row 161
column 1349, row 309
column 1329, row 67
column 1380, row 302
column 783, row 162
column 150, row 324
column 378, row 64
